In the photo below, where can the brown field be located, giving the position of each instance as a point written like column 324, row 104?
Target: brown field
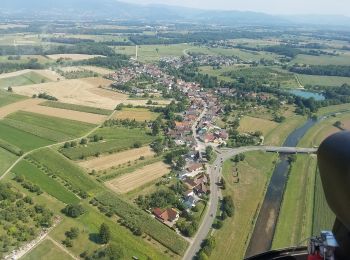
column 21, row 105
column 51, row 75
column 102, row 71
column 108, row 161
column 251, row 124
column 346, row 124
column 77, row 91
column 131, row 181
column 139, row 114
column 66, row 114
column 74, row 57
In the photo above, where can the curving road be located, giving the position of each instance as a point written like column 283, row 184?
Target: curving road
column 215, row 192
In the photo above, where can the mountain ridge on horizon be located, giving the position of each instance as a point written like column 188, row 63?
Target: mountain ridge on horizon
column 115, row 9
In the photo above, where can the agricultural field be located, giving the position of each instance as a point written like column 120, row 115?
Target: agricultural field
column 252, row 124
column 24, row 79
column 30, row 76
column 296, row 213
column 19, row 138
column 47, row 250
column 138, row 178
column 73, row 176
column 16, row 106
column 327, row 81
column 49, row 184
column 73, row 57
column 342, row 59
column 112, row 160
column 37, row 124
column 254, row 173
column 6, row 160
column 67, row 114
column 7, row 98
column 138, row 114
column 86, row 109
column 84, row 92
column 116, row 139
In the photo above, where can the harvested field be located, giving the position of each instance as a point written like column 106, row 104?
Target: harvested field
column 84, row 92
column 51, row 75
column 139, row 114
column 99, row 70
column 106, row 162
column 138, row 178
column 66, row 114
column 74, row 57
column 21, row 105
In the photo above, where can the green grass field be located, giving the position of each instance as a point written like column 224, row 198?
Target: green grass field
column 323, row 217
column 327, row 81
column 139, row 114
column 21, row 139
column 343, row 59
column 65, row 127
column 333, row 109
column 295, row 220
column 115, row 139
column 254, row 172
column 7, row 98
column 48, row 184
column 62, row 167
column 86, row 109
column 22, row 80
column 6, row 160
column 47, row 250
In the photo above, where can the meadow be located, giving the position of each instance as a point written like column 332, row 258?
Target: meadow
column 47, row 183
column 138, row 114
column 296, row 213
column 342, row 59
column 252, row 124
column 47, row 250
column 254, row 173
column 327, row 81
column 116, row 139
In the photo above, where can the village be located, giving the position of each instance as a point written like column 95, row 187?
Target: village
column 196, row 130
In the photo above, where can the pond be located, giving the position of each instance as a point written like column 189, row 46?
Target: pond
column 307, row 94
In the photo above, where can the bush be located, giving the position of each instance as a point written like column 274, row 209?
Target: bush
column 73, row 210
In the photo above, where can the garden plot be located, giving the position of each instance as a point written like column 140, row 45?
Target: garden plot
column 106, row 162
column 131, row 181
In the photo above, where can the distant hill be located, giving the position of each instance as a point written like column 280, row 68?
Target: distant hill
column 114, row 9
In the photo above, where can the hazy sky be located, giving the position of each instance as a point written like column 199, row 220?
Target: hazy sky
column 268, row 6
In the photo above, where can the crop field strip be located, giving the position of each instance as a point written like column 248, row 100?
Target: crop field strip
column 138, row 178
column 17, row 106
column 108, row 161
column 37, row 176
column 67, row 114
column 86, row 109
column 7, row 98
column 138, row 114
column 62, row 167
column 24, row 79
column 6, row 159
column 116, row 139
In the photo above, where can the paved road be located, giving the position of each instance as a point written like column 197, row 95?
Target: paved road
column 215, row 194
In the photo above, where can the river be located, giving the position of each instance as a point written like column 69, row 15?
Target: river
column 265, row 225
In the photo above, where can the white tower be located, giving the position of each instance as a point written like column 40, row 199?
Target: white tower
column 137, row 49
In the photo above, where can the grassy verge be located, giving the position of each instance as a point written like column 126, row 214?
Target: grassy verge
column 47, row 250
column 6, row 160
column 295, row 219
column 232, row 239
column 86, row 109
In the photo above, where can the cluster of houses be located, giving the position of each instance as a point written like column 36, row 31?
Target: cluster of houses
column 200, row 59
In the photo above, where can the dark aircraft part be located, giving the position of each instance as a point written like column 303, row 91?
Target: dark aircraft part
column 334, row 164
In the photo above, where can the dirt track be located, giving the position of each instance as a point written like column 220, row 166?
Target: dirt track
column 106, row 162
column 131, row 181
